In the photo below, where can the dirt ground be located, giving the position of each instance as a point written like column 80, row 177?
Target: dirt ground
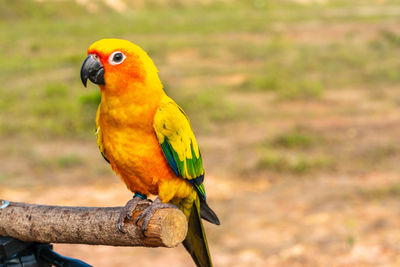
column 299, row 173
column 340, row 216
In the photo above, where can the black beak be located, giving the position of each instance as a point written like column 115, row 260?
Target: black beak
column 92, row 69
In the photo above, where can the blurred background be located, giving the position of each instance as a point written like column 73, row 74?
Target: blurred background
column 295, row 105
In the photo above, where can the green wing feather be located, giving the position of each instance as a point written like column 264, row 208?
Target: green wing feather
column 178, row 143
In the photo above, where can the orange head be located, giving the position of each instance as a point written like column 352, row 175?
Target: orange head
column 117, row 65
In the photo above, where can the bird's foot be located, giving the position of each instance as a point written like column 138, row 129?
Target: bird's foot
column 126, row 212
column 149, row 211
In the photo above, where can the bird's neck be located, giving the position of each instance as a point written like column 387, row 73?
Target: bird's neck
column 132, row 104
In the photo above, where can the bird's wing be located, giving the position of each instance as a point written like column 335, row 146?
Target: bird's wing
column 178, row 143
column 99, row 136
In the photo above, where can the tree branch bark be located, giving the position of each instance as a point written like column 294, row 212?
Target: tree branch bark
column 90, row 225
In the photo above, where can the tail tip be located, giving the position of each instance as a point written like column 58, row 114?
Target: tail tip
column 208, row 214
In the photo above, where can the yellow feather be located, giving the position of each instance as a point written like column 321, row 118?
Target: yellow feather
column 99, row 134
column 172, row 122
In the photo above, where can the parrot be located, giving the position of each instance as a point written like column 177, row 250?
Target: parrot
column 148, row 140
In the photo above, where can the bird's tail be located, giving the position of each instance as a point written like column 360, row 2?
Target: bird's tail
column 196, row 241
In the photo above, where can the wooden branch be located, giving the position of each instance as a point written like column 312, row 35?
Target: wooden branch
column 90, row 225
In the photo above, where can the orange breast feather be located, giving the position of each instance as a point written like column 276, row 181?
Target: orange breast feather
column 131, row 146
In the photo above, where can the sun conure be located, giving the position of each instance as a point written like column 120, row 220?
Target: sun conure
column 147, row 139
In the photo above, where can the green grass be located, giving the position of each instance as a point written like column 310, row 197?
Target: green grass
column 294, row 140
column 296, row 163
column 391, row 190
column 210, row 107
column 69, row 161
column 298, row 137
column 40, row 89
column 41, row 164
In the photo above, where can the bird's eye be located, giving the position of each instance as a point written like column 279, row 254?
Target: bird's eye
column 116, row 58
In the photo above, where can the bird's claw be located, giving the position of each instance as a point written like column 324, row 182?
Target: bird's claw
column 120, row 227
column 148, row 212
column 126, row 212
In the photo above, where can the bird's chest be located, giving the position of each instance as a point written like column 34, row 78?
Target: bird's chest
column 137, row 157
column 131, row 145
column 130, row 149
column 128, row 133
